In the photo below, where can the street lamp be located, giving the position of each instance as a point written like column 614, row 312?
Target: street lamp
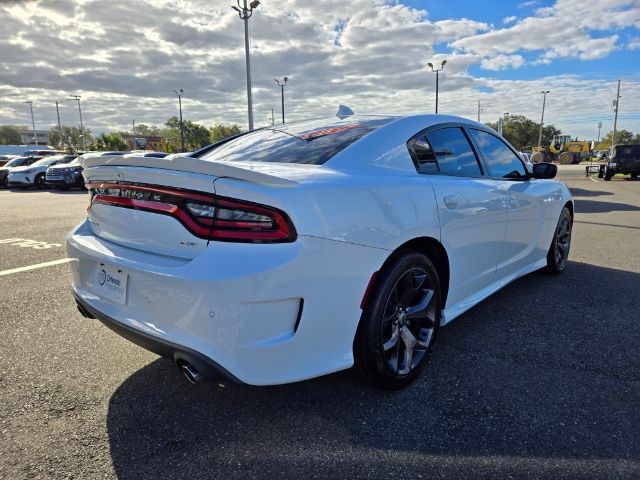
column 77, row 98
column 281, row 85
column 437, row 71
column 33, row 122
column 245, row 13
column 60, row 143
column 181, row 125
column 544, row 101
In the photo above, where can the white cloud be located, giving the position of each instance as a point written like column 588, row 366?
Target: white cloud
column 125, row 58
column 502, row 62
column 634, row 44
column 510, row 19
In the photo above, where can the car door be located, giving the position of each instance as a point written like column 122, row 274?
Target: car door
column 527, row 215
column 471, row 208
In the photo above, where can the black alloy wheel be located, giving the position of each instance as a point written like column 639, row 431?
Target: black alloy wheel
column 399, row 322
column 40, row 181
column 561, row 244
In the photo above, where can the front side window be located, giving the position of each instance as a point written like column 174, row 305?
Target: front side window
column 454, row 155
column 501, row 160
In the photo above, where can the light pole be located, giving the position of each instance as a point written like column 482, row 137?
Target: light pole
column 33, row 122
column 544, row 101
column 616, row 104
column 245, row 13
column 281, row 85
column 437, row 71
column 60, row 144
column 181, row 125
column 77, row 98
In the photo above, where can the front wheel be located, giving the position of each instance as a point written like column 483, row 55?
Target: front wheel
column 608, row 174
column 399, row 322
column 561, row 243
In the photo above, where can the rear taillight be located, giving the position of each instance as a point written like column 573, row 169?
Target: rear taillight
column 205, row 215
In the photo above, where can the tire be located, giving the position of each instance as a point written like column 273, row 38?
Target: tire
column 40, row 181
column 601, row 172
column 561, row 244
column 634, row 175
column 399, row 322
column 607, row 174
column 565, row 158
column 537, row 157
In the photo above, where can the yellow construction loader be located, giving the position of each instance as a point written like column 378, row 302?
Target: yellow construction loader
column 562, row 150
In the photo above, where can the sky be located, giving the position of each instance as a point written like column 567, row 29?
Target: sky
column 125, row 58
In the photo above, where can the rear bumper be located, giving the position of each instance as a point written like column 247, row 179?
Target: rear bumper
column 259, row 314
column 164, row 348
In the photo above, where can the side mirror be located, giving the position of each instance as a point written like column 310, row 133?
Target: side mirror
column 544, row 170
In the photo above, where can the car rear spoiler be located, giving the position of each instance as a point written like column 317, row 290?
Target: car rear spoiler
column 250, row 172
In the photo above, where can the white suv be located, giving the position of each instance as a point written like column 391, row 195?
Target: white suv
column 34, row 175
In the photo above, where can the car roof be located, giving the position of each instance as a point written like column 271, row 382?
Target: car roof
column 371, row 151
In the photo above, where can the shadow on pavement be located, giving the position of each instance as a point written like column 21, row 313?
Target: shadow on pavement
column 581, row 192
column 594, row 206
column 540, row 380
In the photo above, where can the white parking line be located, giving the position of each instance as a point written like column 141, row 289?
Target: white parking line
column 33, row 267
column 594, row 180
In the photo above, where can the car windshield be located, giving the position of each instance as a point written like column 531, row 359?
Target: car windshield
column 15, row 162
column 311, row 142
column 46, row 161
column 628, row 151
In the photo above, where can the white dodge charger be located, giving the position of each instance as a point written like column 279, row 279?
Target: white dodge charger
column 299, row 250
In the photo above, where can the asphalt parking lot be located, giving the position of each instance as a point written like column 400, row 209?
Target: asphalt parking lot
column 540, row 381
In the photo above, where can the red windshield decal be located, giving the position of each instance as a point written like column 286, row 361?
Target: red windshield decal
column 326, row 131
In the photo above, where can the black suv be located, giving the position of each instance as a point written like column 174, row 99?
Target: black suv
column 623, row 159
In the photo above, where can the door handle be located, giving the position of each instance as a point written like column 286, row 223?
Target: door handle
column 451, row 201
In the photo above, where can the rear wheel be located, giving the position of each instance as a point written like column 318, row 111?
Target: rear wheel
column 399, row 322
column 559, row 249
column 608, row 174
column 634, row 175
column 40, row 181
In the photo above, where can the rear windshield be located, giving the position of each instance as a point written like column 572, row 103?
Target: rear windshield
column 627, row 151
column 312, row 142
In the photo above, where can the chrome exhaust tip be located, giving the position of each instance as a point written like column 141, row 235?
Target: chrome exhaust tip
column 190, row 372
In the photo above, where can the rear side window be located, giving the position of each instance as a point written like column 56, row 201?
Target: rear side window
column 453, row 153
column 313, row 142
column 501, row 160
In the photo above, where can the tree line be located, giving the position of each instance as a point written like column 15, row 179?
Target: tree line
column 522, row 133
column 195, row 136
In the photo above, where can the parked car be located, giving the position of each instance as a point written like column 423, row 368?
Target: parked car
column 624, row 159
column 5, row 158
column 65, row 176
column 303, row 249
column 69, row 175
column 16, row 162
column 34, row 175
